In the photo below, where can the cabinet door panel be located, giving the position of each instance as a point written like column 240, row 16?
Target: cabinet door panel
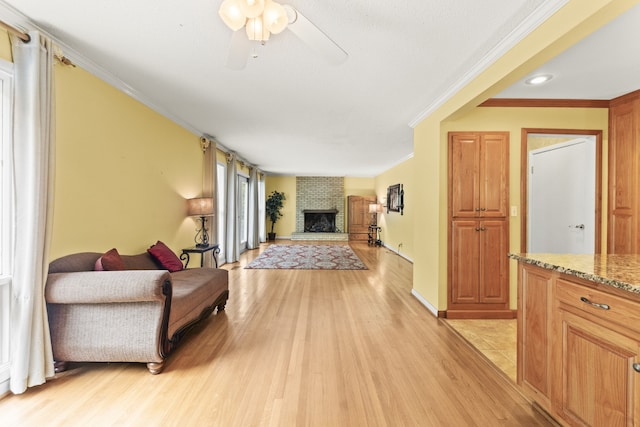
column 494, row 170
column 598, row 384
column 465, row 251
column 494, row 281
column 623, row 178
column 534, row 355
column 464, row 169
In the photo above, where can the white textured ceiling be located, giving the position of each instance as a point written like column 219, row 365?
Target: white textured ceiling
column 603, row 65
column 288, row 111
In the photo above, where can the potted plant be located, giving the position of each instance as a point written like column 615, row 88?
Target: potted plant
column 274, row 205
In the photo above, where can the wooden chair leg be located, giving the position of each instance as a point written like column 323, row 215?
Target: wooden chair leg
column 59, row 366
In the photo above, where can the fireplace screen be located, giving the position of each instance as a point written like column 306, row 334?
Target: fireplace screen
column 320, row 221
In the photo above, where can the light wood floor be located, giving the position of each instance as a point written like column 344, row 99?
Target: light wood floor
column 295, row 348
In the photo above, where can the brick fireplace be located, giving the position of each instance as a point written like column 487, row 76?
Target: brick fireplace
column 320, row 202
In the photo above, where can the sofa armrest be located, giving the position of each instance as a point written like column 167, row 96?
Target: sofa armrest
column 91, row 287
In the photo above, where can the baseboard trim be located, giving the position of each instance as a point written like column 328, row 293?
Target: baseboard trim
column 397, row 253
column 4, row 388
column 481, row 314
column 424, row 302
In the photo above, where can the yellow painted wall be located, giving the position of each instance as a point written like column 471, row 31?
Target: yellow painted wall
column 123, row 171
column 359, row 186
column 5, row 46
column 286, row 184
column 571, row 23
column 398, row 231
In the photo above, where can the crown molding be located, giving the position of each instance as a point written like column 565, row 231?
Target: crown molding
column 546, row 103
column 533, row 21
column 22, row 22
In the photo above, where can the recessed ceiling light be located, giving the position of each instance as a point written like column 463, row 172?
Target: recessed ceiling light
column 539, row 79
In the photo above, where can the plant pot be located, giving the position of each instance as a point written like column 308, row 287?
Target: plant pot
column 271, row 236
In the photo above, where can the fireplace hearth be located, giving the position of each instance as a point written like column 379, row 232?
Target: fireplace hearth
column 320, row 220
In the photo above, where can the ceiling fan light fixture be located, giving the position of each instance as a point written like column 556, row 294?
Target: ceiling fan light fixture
column 274, row 17
column 252, row 8
column 256, row 29
column 232, row 15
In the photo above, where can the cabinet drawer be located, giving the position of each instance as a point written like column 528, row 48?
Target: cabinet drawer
column 612, row 308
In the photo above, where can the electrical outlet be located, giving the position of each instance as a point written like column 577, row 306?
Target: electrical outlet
column 514, row 211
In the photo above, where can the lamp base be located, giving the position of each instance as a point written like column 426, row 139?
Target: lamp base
column 201, row 245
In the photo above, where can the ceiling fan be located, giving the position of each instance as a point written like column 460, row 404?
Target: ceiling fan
column 261, row 18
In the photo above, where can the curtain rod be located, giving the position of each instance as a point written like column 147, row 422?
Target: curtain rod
column 21, row 35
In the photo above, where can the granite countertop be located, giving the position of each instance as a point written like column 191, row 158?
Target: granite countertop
column 619, row 271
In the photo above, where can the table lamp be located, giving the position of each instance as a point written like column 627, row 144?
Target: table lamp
column 201, row 207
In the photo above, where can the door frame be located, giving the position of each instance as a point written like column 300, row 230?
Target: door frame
column 524, row 185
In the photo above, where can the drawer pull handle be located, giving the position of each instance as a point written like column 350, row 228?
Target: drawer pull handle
column 636, row 366
column 595, row 304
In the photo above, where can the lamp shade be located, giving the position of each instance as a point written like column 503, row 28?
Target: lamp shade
column 252, row 8
column 274, row 17
column 200, row 206
column 376, row 208
column 232, row 15
column 256, row 30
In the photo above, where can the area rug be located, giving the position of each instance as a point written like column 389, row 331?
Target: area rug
column 308, row 257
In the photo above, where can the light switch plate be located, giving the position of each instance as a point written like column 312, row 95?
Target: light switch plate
column 514, row 211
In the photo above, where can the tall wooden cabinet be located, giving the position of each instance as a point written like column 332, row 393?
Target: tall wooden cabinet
column 478, row 225
column 359, row 217
column 624, row 167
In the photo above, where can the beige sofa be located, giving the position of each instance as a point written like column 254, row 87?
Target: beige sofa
column 136, row 315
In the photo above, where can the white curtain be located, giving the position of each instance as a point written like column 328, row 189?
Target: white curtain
column 232, row 249
column 262, row 232
column 253, row 239
column 34, row 156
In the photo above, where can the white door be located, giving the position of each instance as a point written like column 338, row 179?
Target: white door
column 561, row 206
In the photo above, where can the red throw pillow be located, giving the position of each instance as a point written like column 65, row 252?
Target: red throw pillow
column 165, row 256
column 110, row 261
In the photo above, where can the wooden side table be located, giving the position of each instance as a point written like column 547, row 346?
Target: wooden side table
column 214, row 248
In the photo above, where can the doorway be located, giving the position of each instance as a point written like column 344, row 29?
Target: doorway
column 561, row 196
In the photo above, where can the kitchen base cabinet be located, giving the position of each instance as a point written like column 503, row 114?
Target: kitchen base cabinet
column 578, row 349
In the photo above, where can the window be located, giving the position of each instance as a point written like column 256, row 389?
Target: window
column 221, row 183
column 6, row 216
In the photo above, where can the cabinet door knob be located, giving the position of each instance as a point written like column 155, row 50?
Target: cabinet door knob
column 477, row 209
column 636, row 366
column 595, row 304
column 483, row 209
column 477, row 229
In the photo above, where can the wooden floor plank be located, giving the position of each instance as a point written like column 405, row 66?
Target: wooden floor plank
column 295, row 348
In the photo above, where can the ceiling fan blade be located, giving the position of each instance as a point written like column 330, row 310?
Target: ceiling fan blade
column 314, row 37
column 238, row 51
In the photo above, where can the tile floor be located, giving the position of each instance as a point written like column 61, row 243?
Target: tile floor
column 496, row 339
